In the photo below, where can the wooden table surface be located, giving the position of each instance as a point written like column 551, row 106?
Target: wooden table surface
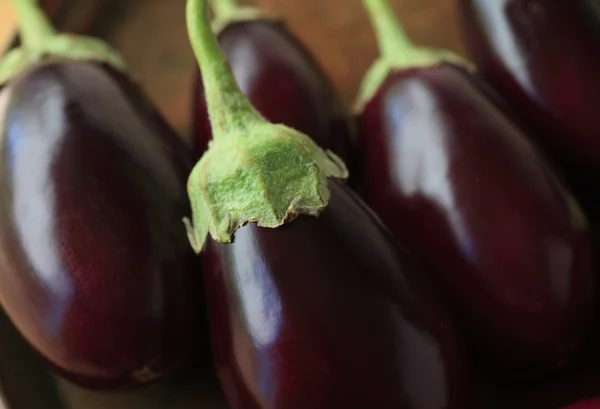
column 7, row 20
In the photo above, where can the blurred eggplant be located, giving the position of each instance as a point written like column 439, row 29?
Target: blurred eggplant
column 543, row 58
column 461, row 185
column 95, row 269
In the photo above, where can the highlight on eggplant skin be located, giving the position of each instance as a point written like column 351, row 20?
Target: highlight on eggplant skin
column 95, row 268
column 470, row 195
column 283, row 82
column 329, row 313
column 543, row 57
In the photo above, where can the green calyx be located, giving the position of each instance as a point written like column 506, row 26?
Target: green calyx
column 269, row 175
column 397, row 51
column 39, row 40
column 229, row 11
column 254, row 171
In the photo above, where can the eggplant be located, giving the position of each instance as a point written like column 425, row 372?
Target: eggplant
column 463, row 187
column 327, row 313
column 95, row 267
column 311, row 302
column 543, row 57
column 279, row 76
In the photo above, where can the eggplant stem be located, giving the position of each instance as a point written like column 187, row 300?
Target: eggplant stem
column 228, row 108
column 253, row 171
column 39, row 40
column 391, row 36
column 397, row 52
column 34, row 26
column 223, row 9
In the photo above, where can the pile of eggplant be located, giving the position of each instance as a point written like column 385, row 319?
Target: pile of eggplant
column 443, row 234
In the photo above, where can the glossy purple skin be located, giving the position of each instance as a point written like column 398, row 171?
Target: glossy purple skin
column 327, row 313
column 283, row 82
column 467, row 192
column 95, row 268
column 543, row 57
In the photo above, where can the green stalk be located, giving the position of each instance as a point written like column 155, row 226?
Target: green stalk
column 228, row 108
column 391, row 37
column 39, row 40
column 254, row 171
column 397, row 51
column 35, row 27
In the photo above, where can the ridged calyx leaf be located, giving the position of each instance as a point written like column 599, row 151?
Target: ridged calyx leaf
column 269, row 176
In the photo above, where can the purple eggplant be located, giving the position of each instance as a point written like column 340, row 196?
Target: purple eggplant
column 461, row 185
column 326, row 313
column 95, row 267
column 543, row 57
column 279, row 76
column 312, row 303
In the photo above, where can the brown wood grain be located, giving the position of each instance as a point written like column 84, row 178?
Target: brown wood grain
column 7, row 23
